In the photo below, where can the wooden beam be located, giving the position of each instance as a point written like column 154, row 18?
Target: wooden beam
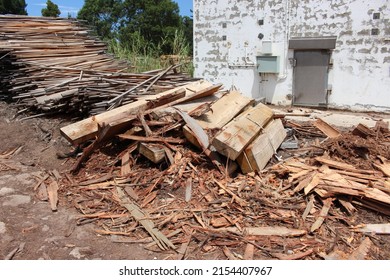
column 153, row 152
column 240, row 132
column 86, row 129
column 260, row 151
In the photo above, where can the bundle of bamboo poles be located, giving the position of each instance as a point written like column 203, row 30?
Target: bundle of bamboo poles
column 57, row 65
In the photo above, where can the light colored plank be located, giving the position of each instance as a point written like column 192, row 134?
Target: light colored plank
column 241, row 131
column 275, row 231
column 153, row 152
column 327, row 129
column 373, row 228
column 86, row 129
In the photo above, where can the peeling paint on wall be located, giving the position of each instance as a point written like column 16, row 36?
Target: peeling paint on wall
column 360, row 70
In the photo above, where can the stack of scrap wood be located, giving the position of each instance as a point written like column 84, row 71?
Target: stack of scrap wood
column 56, row 65
column 229, row 127
column 159, row 191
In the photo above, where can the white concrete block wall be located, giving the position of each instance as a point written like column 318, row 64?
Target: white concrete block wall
column 359, row 78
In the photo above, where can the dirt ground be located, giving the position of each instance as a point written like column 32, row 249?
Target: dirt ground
column 30, row 230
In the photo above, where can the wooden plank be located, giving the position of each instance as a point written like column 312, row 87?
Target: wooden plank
column 373, row 228
column 86, row 129
column 52, row 191
column 327, row 129
column 153, row 152
column 260, row 151
column 162, row 241
column 343, row 166
column 324, row 212
column 241, row 131
column 273, row 231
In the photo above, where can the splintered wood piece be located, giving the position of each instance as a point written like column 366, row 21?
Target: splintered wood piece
column 218, row 222
column 384, row 166
column 188, row 192
column 152, row 139
column 347, row 205
column 239, row 200
column 161, row 240
column 361, row 252
column 343, row 166
column 130, row 191
column 295, row 256
column 249, row 251
column 373, row 228
column 327, row 129
column 125, row 166
column 228, row 253
column 309, row 207
column 313, row 183
column 276, row 231
column 324, row 212
column 240, row 132
column 184, row 246
column 52, row 192
column 362, row 131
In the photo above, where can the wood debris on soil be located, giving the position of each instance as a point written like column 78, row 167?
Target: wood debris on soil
column 188, row 169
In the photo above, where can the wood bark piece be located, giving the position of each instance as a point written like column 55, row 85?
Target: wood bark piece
column 324, row 212
column 327, row 129
column 52, row 191
column 151, row 139
column 276, row 231
column 241, row 131
column 362, row 131
column 260, row 151
column 161, row 240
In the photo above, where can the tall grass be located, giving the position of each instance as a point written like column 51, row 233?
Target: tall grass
column 144, row 56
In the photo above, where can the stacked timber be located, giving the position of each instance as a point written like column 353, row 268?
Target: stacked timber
column 56, row 65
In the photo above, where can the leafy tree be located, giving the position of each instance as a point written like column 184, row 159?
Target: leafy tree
column 16, row 7
column 155, row 22
column 51, row 10
column 187, row 26
column 103, row 15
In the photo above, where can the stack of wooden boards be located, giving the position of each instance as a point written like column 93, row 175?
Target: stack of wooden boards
column 231, row 125
column 56, row 65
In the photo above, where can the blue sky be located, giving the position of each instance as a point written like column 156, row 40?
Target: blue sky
column 34, row 7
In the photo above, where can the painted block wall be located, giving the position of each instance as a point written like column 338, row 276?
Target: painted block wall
column 226, row 43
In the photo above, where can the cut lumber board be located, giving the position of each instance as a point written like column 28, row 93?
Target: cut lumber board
column 324, row 212
column 161, row 240
column 260, row 151
column 276, row 231
column 327, row 129
column 86, row 129
column 373, row 228
column 153, row 152
column 240, row 132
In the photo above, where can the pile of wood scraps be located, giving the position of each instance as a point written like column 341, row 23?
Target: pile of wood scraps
column 55, row 65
